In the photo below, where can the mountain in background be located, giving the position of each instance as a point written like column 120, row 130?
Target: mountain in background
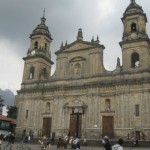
column 8, row 97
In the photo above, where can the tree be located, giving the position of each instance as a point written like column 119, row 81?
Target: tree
column 1, row 104
column 1, row 100
column 12, row 112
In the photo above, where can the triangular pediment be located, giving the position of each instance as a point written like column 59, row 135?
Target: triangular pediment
column 78, row 46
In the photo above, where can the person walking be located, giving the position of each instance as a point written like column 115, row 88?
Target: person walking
column 118, row 146
column 77, row 143
column 107, row 144
column 29, row 138
column 84, row 142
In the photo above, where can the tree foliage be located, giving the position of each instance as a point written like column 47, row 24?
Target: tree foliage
column 12, row 112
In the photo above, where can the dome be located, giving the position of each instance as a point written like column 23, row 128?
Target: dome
column 133, row 8
column 41, row 29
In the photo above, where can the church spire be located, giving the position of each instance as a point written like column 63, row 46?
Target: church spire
column 44, row 13
column 132, row 1
column 43, row 18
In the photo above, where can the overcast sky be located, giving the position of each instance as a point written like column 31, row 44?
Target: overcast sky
column 18, row 18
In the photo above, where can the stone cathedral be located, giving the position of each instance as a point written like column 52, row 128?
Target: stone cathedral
column 82, row 97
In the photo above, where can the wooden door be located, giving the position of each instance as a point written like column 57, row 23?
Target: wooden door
column 46, row 126
column 75, row 124
column 137, row 135
column 108, row 126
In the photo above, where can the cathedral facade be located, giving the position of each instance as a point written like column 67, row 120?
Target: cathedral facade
column 82, row 97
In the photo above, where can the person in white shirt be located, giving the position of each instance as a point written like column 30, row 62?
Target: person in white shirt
column 29, row 138
column 118, row 146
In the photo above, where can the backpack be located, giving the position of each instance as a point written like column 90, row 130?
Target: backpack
column 108, row 146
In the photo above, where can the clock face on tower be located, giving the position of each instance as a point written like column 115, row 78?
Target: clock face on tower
column 133, row 35
column 33, row 52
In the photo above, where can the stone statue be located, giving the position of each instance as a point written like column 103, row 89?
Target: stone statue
column 118, row 61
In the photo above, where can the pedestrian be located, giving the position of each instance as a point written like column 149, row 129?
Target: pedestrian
column 74, row 142
column 48, row 142
column 77, row 143
column 84, row 142
column 136, row 143
column 29, row 138
column 107, row 144
column 53, row 138
column 118, row 146
column 104, row 140
column 0, row 142
column 44, row 141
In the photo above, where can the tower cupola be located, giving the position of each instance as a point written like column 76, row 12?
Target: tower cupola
column 40, row 40
column 41, row 29
column 134, row 20
column 133, row 8
column 135, row 42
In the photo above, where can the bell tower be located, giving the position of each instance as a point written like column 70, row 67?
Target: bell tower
column 135, row 42
column 38, row 60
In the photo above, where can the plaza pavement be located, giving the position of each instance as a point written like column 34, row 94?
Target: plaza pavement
column 19, row 146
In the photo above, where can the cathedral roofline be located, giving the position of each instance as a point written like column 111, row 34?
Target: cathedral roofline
column 102, row 83
column 94, row 45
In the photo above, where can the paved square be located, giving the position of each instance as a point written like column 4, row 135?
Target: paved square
column 18, row 146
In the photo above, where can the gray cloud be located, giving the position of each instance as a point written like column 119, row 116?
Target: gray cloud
column 64, row 18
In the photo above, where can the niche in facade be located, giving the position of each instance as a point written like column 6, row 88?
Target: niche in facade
column 133, row 27
column 135, row 60
column 36, row 45
column 77, row 65
column 44, row 73
column 31, row 74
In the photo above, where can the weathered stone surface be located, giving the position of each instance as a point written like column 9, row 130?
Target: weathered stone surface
column 81, row 94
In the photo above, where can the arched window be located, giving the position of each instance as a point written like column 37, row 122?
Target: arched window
column 133, row 27
column 47, row 107
column 31, row 75
column 44, row 73
column 36, row 45
column 107, row 104
column 45, row 46
column 135, row 60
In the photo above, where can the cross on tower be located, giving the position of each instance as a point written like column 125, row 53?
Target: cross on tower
column 132, row 1
column 44, row 13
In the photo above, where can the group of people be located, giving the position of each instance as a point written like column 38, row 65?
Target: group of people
column 46, row 141
column 135, row 142
column 25, row 138
column 107, row 145
column 10, row 138
column 69, row 142
column 75, row 143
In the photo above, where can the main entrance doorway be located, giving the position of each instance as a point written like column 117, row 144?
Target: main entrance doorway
column 46, row 126
column 137, row 135
column 108, row 126
column 75, row 124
